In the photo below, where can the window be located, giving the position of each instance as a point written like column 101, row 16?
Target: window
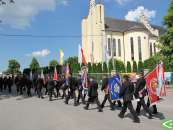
column 114, row 47
column 139, row 48
column 154, row 48
column 151, row 48
column 109, row 46
column 132, row 48
column 119, row 47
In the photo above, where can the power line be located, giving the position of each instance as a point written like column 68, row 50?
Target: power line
column 45, row 36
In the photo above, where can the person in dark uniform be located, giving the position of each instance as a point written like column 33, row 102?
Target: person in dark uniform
column 72, row 88
column 80, row 90
column 40, row 84
column 9, row 83
column 17, row 82
column 93, row 94
column 127, row 92
column 105, row 88
column 51, row 86
column 140, row 93
column 28, row 87
column 1, row 84
column 5, row 83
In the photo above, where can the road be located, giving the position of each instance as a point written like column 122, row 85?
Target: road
column 22, row 113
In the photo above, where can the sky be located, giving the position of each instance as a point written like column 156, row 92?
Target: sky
column 59, row 18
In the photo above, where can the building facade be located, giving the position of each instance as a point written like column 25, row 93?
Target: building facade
column 106, row 37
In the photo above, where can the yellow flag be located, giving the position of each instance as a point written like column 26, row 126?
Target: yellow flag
column 61, row 57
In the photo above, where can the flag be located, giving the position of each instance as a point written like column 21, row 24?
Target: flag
column 161, row 91
column 152, row 85
column 114, row 87
column 79, row 54
column 61, row 57
column 42, row 75
column 84, row 79
column 55, row 77
column 83, row 57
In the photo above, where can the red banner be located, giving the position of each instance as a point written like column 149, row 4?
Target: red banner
column 152, row 85
column 55, row 77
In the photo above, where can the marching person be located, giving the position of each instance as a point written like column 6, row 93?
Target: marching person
column 105, row 88
column 1, row 84
column 93, row 95
column 51, row 86
column 127, row 94
column 140, row 93
column 80, row 90
column 40, row 84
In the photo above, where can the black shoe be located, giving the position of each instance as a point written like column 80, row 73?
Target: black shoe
column 136, row 121
column 86, row 108
column 100, row 110
column 121, row 116
column 65, row 102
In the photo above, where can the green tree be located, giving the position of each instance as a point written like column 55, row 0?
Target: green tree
column 13, row 67
column 73, row 63
column 166, row 40
column 34, row 66
column 53, row 63
column 105, row 68
column 140, row 66
column 99, row 68
column 129, row 68
column 135, row 68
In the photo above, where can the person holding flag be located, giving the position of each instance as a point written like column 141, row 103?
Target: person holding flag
column 105, row 88
column 140, row 93
column 127, row 92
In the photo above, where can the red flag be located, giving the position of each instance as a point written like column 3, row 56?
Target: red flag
column 152, row 85
column 83, row 57
column 55, row 77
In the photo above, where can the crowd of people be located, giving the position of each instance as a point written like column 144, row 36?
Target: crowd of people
column 78, row 88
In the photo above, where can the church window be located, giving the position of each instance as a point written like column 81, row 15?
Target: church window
column 114, row 47
column 139, row 48
column 151, row 48
column 119, row 47
column 132, row 48
column 109, row 46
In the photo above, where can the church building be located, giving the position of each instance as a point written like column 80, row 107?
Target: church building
column 106, row 37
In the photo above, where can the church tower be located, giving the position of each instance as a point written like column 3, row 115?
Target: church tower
column 93, row 33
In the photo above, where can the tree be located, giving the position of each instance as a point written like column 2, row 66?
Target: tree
column 34, row 66
column 53, row 63
column 166, row 40
column 135, row 68
column 13, row 67
column 73, row 63
column 129, row 68
column 105, row 68
column 140, row 66
column 99, row 68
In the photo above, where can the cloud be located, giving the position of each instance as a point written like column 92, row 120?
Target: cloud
column 134, row 15
column 121, row 2
column 41, row 53
column 22, row 12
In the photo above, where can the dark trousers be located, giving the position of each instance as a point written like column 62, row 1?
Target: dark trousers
column 51, row 92
column 39, row 91
column 29, row 91
column 142, row 103
column 9, row 88
column 80, row 96
column 154, row 107
column 129, row 105
column 1, row 88
column 93, row 100
column 107, row 97
column 72, row 94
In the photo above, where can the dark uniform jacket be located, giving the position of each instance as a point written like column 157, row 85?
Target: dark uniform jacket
column 127, row 91
column 92, row 91
column 140, row 91
column 105, row 84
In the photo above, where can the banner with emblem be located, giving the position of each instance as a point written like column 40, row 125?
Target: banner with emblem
column 114, row 87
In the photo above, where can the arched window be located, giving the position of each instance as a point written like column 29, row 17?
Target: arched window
column 139, row 48
column 109, row 46
column 119, row 47
column 132, row 48
column 154, row 48
column 114, row 47
column 151, row 50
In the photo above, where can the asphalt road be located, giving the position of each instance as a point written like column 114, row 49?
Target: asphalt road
column 22, row 113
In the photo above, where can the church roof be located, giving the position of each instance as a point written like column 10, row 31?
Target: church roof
column 118, row 25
